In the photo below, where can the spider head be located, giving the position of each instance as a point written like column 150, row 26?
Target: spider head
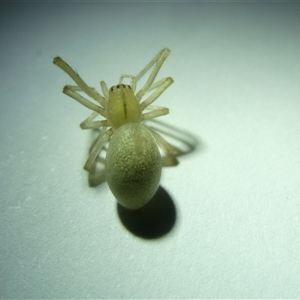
column 122, row 106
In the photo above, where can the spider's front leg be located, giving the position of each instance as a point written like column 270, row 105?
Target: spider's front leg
column 133, row 80
column 80, row 82
column 71, row 91
column 160, row 86
column 158, row 60
column 88, row 123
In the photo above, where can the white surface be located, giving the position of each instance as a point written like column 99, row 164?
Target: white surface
column 234, row 227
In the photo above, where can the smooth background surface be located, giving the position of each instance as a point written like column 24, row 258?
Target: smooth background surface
column 230, row 214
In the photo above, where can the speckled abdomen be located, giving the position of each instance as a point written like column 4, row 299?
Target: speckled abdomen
column 133, row 165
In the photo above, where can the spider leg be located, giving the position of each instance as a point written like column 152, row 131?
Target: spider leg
column 104, row 90
column 90, row 124
column 158, row 60
column 102, row 138
column 133, row 80
column 71, row 92
column 156, row 111
column 84, row 87
column 76, row 88
column 160, row 86
column 156, row 84
column 162, row 142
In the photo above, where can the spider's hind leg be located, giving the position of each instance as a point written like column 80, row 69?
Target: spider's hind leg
column 163, row 143
column 102, row 138
column 170, row 158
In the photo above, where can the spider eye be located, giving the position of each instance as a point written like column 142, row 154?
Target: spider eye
column 118, row 86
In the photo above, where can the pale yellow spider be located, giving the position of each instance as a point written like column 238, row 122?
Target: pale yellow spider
column 133, row 161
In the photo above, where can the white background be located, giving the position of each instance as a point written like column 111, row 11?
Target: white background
column 225, row 222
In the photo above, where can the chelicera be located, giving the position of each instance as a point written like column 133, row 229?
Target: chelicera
column 133, row 161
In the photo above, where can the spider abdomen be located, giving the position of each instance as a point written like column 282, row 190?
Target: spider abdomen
column 133, row 165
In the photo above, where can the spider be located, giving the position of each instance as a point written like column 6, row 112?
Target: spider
column 133, row 161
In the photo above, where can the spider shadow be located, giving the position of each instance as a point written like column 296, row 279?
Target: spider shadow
column 152, row 221
column 158, row 216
